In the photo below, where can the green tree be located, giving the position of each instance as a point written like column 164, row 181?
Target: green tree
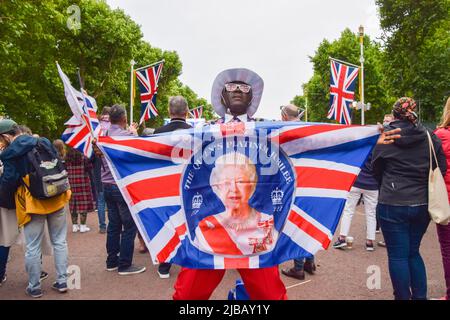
column 417, row 51
column 35, row 34
column 299, row 101
column 347, row 48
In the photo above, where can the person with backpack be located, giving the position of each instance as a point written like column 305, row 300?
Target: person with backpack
column 34, row 171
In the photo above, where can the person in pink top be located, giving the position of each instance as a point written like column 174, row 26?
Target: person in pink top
column 443, row 132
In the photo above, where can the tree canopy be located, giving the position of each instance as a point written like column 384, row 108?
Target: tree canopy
column 36, row 34
column 346, row 48
column 412, row 59
column 416, row 58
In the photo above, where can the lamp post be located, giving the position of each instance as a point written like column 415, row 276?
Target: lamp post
column 361, row 60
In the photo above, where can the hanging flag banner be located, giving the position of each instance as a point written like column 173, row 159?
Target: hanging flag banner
column 148, row 78
column 342, row 91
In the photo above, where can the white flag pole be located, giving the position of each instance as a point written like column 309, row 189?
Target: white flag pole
column 132, row 63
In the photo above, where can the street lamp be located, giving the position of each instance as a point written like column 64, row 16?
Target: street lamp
column 361, row 60
column 132, row 63
column 358, row 105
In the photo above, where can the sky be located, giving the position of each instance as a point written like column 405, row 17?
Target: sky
column 272, row 38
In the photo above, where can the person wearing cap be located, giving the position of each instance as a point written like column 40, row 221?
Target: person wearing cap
column 402, row 169
column 31, row 212
column 236, row 94
column 291, row 112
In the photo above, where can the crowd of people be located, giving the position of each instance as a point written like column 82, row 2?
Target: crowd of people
column 393, row 185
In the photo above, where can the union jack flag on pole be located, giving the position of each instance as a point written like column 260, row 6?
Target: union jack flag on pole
column 83, row 126
column 280, row 197
column 342, row 91
column 148, row 78
column 197, row 112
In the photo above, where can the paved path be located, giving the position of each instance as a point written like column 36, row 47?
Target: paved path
column 340, row 274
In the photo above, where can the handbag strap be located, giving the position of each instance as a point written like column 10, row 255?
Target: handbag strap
column 430, row 142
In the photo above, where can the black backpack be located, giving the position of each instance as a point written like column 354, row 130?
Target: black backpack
column 48, row 176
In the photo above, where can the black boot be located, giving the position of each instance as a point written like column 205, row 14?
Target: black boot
column 297, row 274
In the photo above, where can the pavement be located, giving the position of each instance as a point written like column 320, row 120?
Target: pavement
column 340, row 275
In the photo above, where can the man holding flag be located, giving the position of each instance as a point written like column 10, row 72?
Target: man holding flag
column 194, row 215
column 121, row 230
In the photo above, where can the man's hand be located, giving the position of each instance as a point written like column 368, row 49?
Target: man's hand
column 388, row 137
column 96, row 149
column 133, row 128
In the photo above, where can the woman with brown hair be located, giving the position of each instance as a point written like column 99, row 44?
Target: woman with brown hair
column 443, row 132
column 60, row 148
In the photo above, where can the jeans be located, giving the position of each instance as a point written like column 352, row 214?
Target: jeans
column 444, row 241
column 121, row 230
column 370, row 198
column 34, row 231
column 4, row 253
column 300, row 263
column 403, row 228
column 101, row 207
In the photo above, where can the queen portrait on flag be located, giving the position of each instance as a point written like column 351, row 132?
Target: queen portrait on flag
column 239, row 230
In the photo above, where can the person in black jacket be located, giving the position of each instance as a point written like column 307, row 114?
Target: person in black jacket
column 178, row 111
column 402, row 170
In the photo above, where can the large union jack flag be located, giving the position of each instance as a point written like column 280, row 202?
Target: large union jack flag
column 342, row 91
column 148, row 86
column 325, row 160
column 197, row 112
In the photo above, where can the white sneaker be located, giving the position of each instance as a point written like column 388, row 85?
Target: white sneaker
column 75, row 228
column 164, row 275
column 84, row 228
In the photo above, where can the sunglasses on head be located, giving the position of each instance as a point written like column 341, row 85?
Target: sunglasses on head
column 231, row 87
